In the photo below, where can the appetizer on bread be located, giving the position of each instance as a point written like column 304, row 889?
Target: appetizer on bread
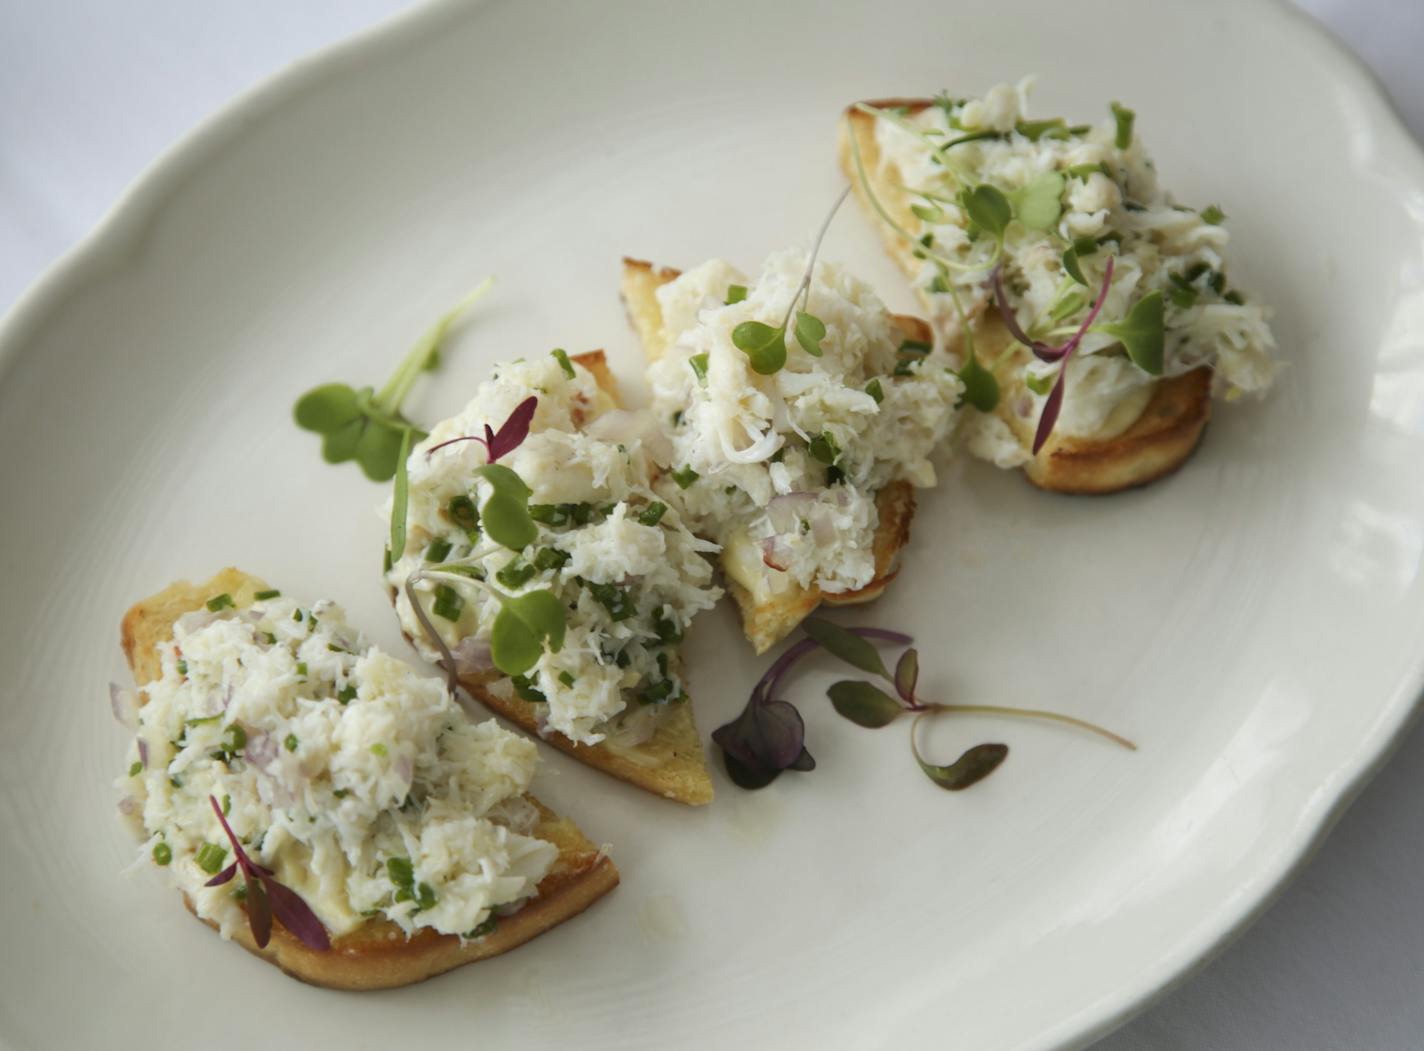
column 282, row 767
column 1044, row 249
column 615, row 563
column 804, row 474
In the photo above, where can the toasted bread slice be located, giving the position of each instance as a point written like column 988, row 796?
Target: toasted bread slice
column 775, row 610
column 378, row 955
column 1155, row 443
column 671, row 763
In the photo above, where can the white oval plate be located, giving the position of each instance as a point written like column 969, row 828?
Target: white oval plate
column 1254, row 622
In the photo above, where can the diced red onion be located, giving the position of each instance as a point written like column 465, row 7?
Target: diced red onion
column 124, row 705
column 194, row 620
column 261, row 749
column 472, row 658
column 143, row 752
column 127, row 805
column 773, row 553
column 782, row 509
column 823, row 530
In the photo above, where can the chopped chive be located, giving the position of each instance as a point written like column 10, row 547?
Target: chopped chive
column 263, row 596
column 227, row 805
column 824, row 448
column 401, row 872
column 448, row 602
column 515, row 573
column 1213, row 215
column 653, row 513
column 1235, row 298
column 612, row 598
column 182, row 667
column 219, row 602
column 291, row 742
column 379, row 749
column 562, row 357
column 677, row 418
column 524, row 688
column 1040, row 385
column 735, row 294
column 135, row 768
column 235, row 738
column 347, row 693
column 875, row 390
column 698, row 362
column 210, row 858
column 1124, row 118
column 484, row 928
column 341, row 793
column 566, row 678
column 667, row 627
column 684, row 476
column 203, row 719
column 438, row 550
column 550, row 558
column 162, row 853
column 1183, row 298
column 301, row 668
column 463, row 513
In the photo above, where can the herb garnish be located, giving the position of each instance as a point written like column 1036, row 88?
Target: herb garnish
column 768, row 736
column 765, row 346
column 265, row 897
column 366, row 425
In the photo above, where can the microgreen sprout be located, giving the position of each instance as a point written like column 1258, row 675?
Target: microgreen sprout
column 769, row 735
column 765, row 346
column 366, row 425
column 265, row 897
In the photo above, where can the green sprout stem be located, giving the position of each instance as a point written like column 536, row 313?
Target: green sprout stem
column 387, row 401
column 930, row 707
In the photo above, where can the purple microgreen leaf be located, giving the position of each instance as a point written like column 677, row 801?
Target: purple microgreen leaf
column 969, row 769
column 804, row 762
column 1051, row 408
column 907, row 675
column 766, row 738
column 847, row 645
column 864, row 704
column 297, row 916
column 509, row 437
column 260, row 882
column 259, row 912
column 515, row 430
column 747, row 776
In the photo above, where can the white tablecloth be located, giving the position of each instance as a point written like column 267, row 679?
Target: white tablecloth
column 92, row 90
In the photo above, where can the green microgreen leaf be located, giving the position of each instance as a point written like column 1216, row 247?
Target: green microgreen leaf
column 981, row 388
column 1066, row 306
column 1141, row 333
column 1124, row 118
column 824, row 448
column 969, row 769
column 562, row 357
column 326, row 408
column 1040, row 385
column 988, row 209
column 366, row 425
column 524, row 625
column 1038, row 203
column 810, row 330
column 763, row 345
column 400, row 499
column 907, row 675
column 698, row 364
column 930, row 213
column 1033, row 130
column 505, row 515
column 735, row 294
column 864, row 704
column 846, row 645
column 1071, row 267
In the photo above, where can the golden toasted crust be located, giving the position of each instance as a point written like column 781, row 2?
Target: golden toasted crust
column 671, row 763
column 767, row 622
column 378, row 955
column 1158, row 442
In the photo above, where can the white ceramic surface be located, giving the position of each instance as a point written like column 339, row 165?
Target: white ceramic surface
column 1253, row 622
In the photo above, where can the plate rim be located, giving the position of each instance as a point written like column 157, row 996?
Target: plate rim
column 109, row 244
